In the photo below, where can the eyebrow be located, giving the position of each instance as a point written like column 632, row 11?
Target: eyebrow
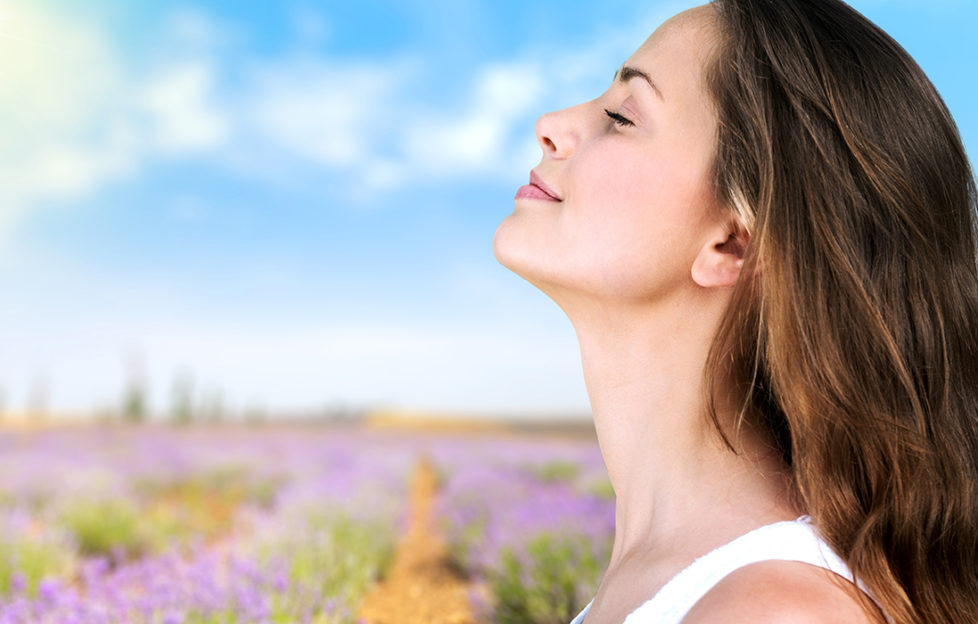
column 626, row 73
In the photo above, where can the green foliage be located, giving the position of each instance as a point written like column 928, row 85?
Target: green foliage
column 548, row 583
column 182, row 400
column 466, row 541
column 106, row 527
column 134, row 403
column 202, row 504
column 348, row 554
column 556, row 471
column 34, row 556
column 334, row 554
column 602, row 488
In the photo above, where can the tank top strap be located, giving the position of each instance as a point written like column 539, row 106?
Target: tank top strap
column 795, row 540
column 784, row 541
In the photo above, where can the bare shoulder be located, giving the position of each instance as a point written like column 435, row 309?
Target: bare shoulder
column 781, row 592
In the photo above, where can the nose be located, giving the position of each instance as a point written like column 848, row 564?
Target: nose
column 557, row 134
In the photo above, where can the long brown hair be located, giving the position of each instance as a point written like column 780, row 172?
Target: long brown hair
column 852, row 336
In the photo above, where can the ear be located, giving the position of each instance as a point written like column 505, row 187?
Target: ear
column 719, row 261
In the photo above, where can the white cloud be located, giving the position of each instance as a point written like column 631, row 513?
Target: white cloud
column 74, row 117
column 71, row 170
column 509, row 90
column 183, row 116
column 58, row 96
column 465, row 145
column 77, row 115
column 321, row 111
column 476, row 139
column 490, row 133
column 366, row 119
column 382, row 174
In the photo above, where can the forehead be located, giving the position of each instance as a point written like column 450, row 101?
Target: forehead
column 676, row 54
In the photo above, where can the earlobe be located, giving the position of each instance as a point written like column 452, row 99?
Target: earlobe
column 719, row 262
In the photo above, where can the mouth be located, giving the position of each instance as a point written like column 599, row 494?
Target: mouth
column 537, row 189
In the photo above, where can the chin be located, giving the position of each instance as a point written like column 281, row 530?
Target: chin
column 513, row 252
column 514, row 248
column 521, row 246
column 505, row 244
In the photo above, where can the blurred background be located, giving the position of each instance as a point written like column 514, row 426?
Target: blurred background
column 266, row 209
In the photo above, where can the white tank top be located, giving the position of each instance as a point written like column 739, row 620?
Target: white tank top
column 793, row 540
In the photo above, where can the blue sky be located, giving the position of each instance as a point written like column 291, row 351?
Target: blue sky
column 293, row 203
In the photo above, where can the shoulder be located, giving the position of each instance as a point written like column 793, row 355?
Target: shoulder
column 781, row 592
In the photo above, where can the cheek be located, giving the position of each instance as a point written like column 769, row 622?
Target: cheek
column 638, row 217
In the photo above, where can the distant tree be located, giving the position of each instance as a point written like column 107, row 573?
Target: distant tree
column 134, row 403
column 182, row 399
column 212, row 405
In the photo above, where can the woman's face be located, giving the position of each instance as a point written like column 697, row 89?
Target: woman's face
column 621, row 202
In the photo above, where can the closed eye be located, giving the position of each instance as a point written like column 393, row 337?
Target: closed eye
column 619, row 119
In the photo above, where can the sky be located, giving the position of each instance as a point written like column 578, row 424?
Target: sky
column 288, row 207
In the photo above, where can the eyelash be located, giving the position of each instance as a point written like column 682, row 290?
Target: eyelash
column 619, row 119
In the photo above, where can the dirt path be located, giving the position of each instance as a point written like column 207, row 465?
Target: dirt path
column 421, row 586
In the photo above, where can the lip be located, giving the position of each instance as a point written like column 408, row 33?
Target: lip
column 537, row 189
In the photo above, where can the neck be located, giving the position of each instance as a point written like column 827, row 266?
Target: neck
column 677, row 484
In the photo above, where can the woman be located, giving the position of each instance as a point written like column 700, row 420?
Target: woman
column 764, row 236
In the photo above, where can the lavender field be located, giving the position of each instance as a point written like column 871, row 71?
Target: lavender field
column 275, row 524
